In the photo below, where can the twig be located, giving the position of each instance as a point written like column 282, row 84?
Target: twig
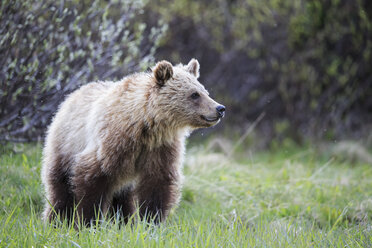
column 247, row 132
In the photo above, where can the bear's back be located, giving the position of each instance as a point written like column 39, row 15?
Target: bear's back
column 68, row 132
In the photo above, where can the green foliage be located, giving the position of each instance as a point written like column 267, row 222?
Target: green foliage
column 331, row 40
column 288, row 198
column 50, row 48
column 306, row 64
column 302, row 62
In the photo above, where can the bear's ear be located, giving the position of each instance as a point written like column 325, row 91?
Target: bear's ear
column 193, row 67
column 163, row 72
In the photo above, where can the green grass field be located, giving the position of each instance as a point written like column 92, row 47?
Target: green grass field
column 283, row 198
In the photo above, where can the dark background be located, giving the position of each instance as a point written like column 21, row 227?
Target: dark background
column 305, row 65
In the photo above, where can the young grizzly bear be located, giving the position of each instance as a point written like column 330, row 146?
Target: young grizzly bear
column 117, row 145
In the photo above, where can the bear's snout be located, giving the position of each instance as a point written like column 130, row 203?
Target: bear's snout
column 220, row 110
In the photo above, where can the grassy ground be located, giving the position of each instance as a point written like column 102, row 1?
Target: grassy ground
column 285, row 198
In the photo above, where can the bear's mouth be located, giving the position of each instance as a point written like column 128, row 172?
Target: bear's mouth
column 210, row 119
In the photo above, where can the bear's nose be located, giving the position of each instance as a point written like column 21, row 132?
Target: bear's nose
column 220, row 110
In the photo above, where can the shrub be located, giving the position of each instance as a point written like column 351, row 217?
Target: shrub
column 304, row 63
column 49, row 48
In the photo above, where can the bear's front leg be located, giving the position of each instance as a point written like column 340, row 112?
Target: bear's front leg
column 156, row 197
column 91, row 198
column 123, row 203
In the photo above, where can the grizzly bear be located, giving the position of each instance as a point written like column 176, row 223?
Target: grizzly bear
column 116, row 146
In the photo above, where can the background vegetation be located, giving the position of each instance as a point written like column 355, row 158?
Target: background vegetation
column 305, row 64
column 49, row 48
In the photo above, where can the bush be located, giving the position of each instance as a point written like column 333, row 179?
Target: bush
column 304, row 63
column 49, row 48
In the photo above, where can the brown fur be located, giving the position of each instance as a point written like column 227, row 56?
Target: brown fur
column 114, row 146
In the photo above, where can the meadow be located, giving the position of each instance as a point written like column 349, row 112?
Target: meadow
column 285, row 197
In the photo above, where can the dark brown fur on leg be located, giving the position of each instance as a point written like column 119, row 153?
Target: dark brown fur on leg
column 156, row 197
column 158, row 189
column 123, row 204
column 60, row 201
column 92, row 197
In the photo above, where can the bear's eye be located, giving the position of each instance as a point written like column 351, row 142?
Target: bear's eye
column 195, row 95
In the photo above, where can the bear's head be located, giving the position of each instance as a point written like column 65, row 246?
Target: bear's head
column 183, row 99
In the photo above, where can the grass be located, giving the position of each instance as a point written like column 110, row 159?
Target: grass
column 283, row 198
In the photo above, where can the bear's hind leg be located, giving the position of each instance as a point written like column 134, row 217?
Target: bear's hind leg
column 59, row 194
